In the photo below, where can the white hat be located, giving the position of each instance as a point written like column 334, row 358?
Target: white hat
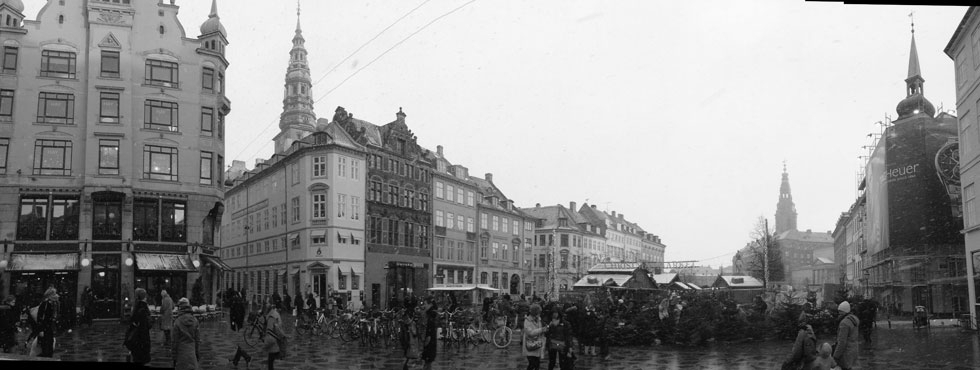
column 844, row 307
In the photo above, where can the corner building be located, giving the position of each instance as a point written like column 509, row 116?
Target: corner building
column 111, row 152
column 398, row 217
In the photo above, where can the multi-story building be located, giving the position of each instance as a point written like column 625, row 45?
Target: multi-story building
column 399, row 214
column 915, row 249
column 297, row 219
column 964, row 49
column 501, row 262
column 594, row 242
column 850, row 248
column 118, row 119
column 561, row 256
column 455, row 235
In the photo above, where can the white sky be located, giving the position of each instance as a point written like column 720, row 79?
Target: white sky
column 677, row 114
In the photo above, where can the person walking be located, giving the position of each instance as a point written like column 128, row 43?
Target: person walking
column 533, row 340
column 8, row 323
column 408, row 336
column 846, row 352
column 47, row 322
column 138, row 335
column 236, row 311
column 804, row 350
column 274, row 343
column 277, row 300
column 559, row 341
column 429, row 341
column 185, row 348
column 88, row 305
column 166, row 315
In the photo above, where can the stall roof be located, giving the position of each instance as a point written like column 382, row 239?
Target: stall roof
column 595, row 280
column 43, row 262
column 163, row 262
column 217, row 262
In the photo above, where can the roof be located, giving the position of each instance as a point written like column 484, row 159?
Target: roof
column 823, row 260
column 626, row 268
column 596, row 280
column 739, row 281
column 550, row 215
column 699, row 280
column 806, row 236
column 959, row 29
column 664, row 278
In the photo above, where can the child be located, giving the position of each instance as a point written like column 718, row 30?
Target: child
column 824, row 361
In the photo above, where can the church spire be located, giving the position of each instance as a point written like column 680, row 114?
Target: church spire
column 297, row 119
column 915, row 101
column 785, row 209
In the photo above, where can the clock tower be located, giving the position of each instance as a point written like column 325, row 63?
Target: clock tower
column 297, row 119
column 785, row 209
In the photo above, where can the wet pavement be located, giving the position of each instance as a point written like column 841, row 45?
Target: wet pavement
column 898, row 348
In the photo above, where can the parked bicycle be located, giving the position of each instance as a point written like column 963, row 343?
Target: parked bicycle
column 254, row 332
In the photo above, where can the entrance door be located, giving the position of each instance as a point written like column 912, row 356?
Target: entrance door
column 105, row 286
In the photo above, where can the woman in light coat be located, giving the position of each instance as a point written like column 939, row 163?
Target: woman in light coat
column 534, row 330
column 166, row 315
column 187, row 338
column 274, row 335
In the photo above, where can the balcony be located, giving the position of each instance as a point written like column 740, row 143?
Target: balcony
column 440, row 231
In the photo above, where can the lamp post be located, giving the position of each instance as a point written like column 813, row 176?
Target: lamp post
column 248, row 279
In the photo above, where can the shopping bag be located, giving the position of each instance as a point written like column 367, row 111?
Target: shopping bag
column 34, row 348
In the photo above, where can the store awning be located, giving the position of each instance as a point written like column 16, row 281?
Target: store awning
column 318, row 233
column 217, row 262
column 43, row 262
column 484, row 287
column 163, row 262
column 452, row 288
column 357, row 270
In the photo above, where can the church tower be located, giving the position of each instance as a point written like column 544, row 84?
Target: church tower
column 785, row 209
column 297, row 119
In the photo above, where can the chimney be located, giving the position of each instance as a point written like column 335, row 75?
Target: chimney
column 614, row 214
column 489, row 177
column 593, row 206
column 571, row 206
column 439, row 150
column 620, row 216
column 537, row 205
column 400, row 115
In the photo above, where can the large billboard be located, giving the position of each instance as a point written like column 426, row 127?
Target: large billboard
column 876, row 232
column 922, row 179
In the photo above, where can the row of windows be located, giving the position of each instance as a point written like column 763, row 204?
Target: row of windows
column 454, row 196
column 454, row 250
column 397, row 196
column 577, row 262
column 58, row 108
column 499, row 251
column 320, row 167
column 398, row 167
column 502, row 224
column 455, row 222
column 63, row 64
column 54, row 158
column 387, row 231
column 53, row 217
column 267, row 282
column 319, row 206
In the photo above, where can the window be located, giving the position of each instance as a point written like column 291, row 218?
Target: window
column 969, row 195
column 320, row 206
column 423, row 200
column 220, row 170
column 159, row 163
column 56, row 108
column 392, row 196
column 459, row 195
column 52, row 157
column 109, row 107
column 318, row 238
column 161, row 73
column 341, row 205
column 439, row 191
column 207, row 161
column 108, row 157
column 4, row 148
column 221, row 126
column 9, row 59
column 59, row 64
column 342, row 167
column 295, row 206
column 469, row 198
column 355, row 169
column 160, row 115
column 493, row 252
column 375, row 191
column 6, row 105
column 483, row 221
column 355, row 208
column 459, row 222
column 275, row 217
column 440, row 248
column 496, row 223
column 320, row 166
column 517, row 227
column 48, row 217
column 504, row 249
column 110, row 64
column 564, row 259
column 207, row 79
column 159, row 220
column 439, row 218
column 207, row 121
column 470, row 226
column 564, row 240
column 450, row 221
column 503, row 224
column 449, row 193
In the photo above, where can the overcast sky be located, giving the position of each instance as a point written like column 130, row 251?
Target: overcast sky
column 677, row 114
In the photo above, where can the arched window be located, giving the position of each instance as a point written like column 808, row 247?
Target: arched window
column 161, row 29
column 61, row 19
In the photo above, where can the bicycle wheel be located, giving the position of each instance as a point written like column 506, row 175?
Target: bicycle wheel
column 349, row 333
column 253, row 335
column 302, row 326
column 502, row 337
column 334, row 328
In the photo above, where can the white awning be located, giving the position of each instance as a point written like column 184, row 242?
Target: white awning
column 43, row 262
column 296, row 236
column 317, row 233
column 163, row 262
column 452, row 288
column 357, row 269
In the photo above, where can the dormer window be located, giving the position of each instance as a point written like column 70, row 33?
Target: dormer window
column 562, row 222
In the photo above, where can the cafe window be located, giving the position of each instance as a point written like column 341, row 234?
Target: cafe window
column 48, row 217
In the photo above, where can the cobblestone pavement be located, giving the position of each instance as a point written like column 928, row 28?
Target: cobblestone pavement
column 897, row 348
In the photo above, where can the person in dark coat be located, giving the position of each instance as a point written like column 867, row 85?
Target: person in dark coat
column 88, row 306
column 846, row 352
column 559, row 342
column 804, row 350
column 47, row 322
column 277, row 300
column 8, row 323
column 186, row 345
column 429, row 341
column 298, row 304
column 166, row 315
column 140, row 322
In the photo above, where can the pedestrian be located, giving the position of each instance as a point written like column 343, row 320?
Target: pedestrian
column 804, row 350
column 823, row 361
column 186, row 345
column 846, row 352
column 277, row 300
column 274, row 343
column 866, row 315
column 287, row 301
column 298, row 304
column 533, row 333
column 559, row 336
column 590, row 330
column 88, row 304
column 8, row 323
column 47, row 322
column 429, row 339
column 408, row 336
column 166, row 315
column 138, row 335
column 236, row 314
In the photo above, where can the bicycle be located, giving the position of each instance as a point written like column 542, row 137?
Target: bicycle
column 503, row 334
column 254, row 332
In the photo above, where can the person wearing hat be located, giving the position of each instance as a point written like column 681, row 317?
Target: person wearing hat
column 186, row 344
column 533, row 340
column 166, row 315
column 138, row 335
column 46, row 323
column 846, row 352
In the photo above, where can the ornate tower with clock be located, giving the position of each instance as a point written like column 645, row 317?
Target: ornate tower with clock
column 785, row 209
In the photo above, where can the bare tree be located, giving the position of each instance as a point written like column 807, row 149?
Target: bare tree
column 762, row 247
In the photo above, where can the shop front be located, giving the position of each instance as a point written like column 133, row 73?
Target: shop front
column 157, row 272
column 106, row 277
column 32, row 274
column 212, row 273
